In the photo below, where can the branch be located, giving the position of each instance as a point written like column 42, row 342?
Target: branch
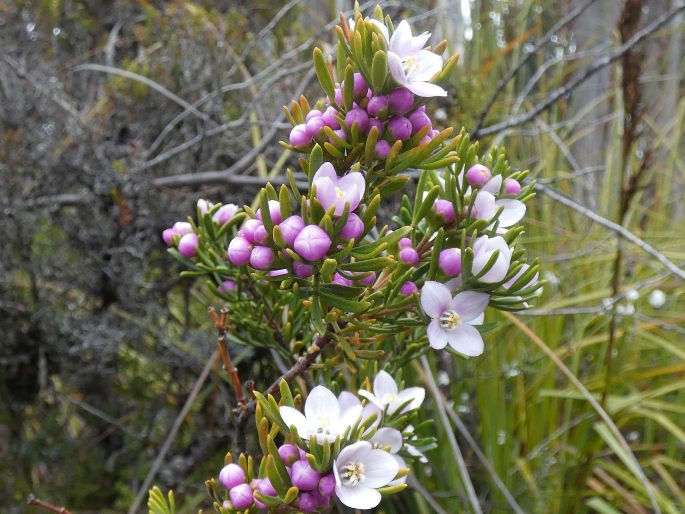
column 32, row 500
column 221, row 325
column 591, row 70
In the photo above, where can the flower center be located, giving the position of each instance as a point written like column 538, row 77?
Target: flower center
column 339, row 193
column 324, row 426
column 352, row 473
column 389, row 398
column 449, row 320
column 411, row 64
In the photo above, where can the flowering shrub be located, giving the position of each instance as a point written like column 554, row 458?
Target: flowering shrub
column 347, row 298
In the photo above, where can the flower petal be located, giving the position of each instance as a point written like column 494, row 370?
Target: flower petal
column 493, row 185
column 325, row 170
column 358, row 497
column 325, row 192
column 353, row 180
column 401, row 39
column 387, row 436
column 401, row 464
column 379, row 468
column 321, row 403
column 349, row 418
column 437, row 336
column 466, row 340
column 454, row 283
column 396, row 68
column 384, row 385
column 470, row 304
column 429, row 64
column 484, row 205
column 513, row 211
column 423, row 89
column 415, row 394
column 346, row 401
column 435, row 298
column 295, row 417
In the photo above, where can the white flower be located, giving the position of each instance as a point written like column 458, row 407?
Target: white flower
column 483, row 249
column 386, row 393
column 390, row 439
column 359, row 470
column 657, row 299
column 485, row 205
column 410, row 65
column 323, row 417
column 453, row 318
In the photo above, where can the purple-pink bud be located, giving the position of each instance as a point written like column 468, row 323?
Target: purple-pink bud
column 329, row 119
column 290, row 227
column 401, row 100
column 266, row 487
column 419, row 119
column 314, row 126
column 288, row 453
column 327, row 485
column 450, row 261
column 341, row 134
column 304, row 477
column 340, row 280
column 409, row 256
column 278, row 272
column 314, row 113
column 241, row 496
column 368, row 279
column 359, row 117
column 408, row 288
column 261, row 257
column 511, row 186
column 260, row 234
column 181, row 228
column 444, row 209
column 404, row 242
column 231, row 475
column 303, row 455
column 360, row 86
column 224, row 214
column 249, row 228
column 168, row 236
column 239, row 250
column 477, row 175
column 399, row 128
column 187, row 246
column 375, row 122
column 299, row 136
column 382, row 149
column 274, row 212
column 378, row 105
column 312, row 243
column 433, row 133
column 308, row 502
column 302, row 270
column 425, row 140
column 227, row 286
column 338, row 96
column 354, row 227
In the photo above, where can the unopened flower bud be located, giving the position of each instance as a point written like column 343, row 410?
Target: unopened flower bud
column 290, row 228
column 260, row 234
column 203, row 205
column 368, row 279
column 261, row 257
column 327, row 485
column 399, row 128
column 409, row 256
column 354, row 227
column 265, row 487
column 375, row 122
column 232, row 475
column 433, row 133
column 288, row 453
column 312, row 243
column 408, row 288
column 302, row 270
column 224, row 214
column 382, row 149
column 278, row 272
column 239, row 250
column 313, row 126
column 359, row 117
column 360, row 86
column 328, row 118
column 401, row 100
column 314, row 113
column 241, row 496
column 168, row 236
column 299, row 136
column 188, row 244
column 338, row 96
column 404, row 242
column 444, row 209
column 274, row 212
column 511, row 186
column 449, row 261
column 181, row 228
column 249, row 228
column 304, row 477
column 340, row 280
column 419, row 119
column 341, row 134
column 477, row 175
column 377, row 106
column 308, row 502
column 227, row 286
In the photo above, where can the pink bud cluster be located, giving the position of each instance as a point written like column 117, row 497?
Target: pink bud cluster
column 315, row 489
column 394, row 115
column 182, row 235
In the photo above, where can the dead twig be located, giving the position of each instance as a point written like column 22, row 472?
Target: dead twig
column 32, row 500
column 221, row 325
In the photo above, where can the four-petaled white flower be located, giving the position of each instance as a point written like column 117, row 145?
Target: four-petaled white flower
column 485, row 206
column 410, row 65
column 323, row 417
column 453, row 318
column 386, row 393
column 359, row 470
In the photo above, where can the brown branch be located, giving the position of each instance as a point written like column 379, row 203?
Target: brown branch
column 32, row 500
column 597, row 65
column 221, row 325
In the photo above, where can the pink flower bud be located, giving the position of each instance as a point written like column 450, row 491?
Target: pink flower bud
column 313, row 126
column 511, row 186
column 404, row 242
column 181, row 228
column 314, row 113
column 168, row 236
column 399, row 128
column 328, row 118
column 187, row 246
column 312, row 243
column 231, row 475
column 444, row 209
column 419, row 119
column 408, row 288
column 227, row 286
column 302, row 270
column 375, row 122
column 433, row 133
column 261, row 257
column 327, row 485
column 359, row 117
column 425, row 140
column 341, row 134
column 353, row 228
column 409, row 256
column 265, row 487
column 239, row 250
column 338, row 96
column 360, row 86
column 274, row 212
column 299, row 136
column 308, row 502
column 260, row 234
column 288, row 453
column 378, row 105
column 303, row 455
column 450, row 261
column 278, row 272
column 241, row 496
column 249, row 228
column 203, row 205
column 340, row 280
column 369, row 279
column 382, row 149
column 401, row 100
column 477, row 175
column 290, row 228
column 304, row 477
column 224, row 214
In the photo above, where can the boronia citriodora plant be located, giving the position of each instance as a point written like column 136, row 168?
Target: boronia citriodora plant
column 345, row 298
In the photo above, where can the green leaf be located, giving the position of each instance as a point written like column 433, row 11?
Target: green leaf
column 379, row 71
column 323, row 74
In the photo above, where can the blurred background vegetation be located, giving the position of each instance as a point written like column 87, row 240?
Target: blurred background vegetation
column 116, row 116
